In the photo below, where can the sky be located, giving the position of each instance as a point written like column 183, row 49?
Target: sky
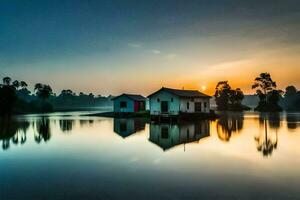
column 134, row 46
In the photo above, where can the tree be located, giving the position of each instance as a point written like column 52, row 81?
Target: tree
column 267, row 93
column 264, row 84
column 227, row 98
column 222, row 95
column 68, row 92
column 6, row 80
column 8, row 95
column 23, row 84
column 236, row 96
column 43, row 92
column 290, row 91
column 291, row 101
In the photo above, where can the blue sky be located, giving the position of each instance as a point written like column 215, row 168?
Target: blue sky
column 110, row 47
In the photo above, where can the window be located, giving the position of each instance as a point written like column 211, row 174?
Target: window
column 188, row 105
column 123, row 104
column 158, row 100
column 205, row 104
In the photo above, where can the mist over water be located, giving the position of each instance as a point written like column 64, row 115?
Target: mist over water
column 238, row 156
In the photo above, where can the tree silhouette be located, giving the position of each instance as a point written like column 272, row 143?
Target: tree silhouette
column 23, row 84
column 267, row 93
column 43, row 92
column 8, row 95
column 291, row 101
column 222, row 95
column 227, row 98
column 6, row 80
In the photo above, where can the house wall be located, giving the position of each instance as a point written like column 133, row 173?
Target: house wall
column 183, row 105
column 155, row 107
column 130, row 104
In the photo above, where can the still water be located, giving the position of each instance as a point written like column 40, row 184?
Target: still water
column 68, row 156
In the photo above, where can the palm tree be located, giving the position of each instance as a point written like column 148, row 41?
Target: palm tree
column 6, row 80
column 23, row 84
column 8, row 95
column 43, row 92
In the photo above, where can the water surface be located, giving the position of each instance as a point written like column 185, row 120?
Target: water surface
column 68, row 156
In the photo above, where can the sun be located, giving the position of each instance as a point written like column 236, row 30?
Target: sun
column 203, row 87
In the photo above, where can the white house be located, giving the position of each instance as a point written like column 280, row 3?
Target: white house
column 169, row 101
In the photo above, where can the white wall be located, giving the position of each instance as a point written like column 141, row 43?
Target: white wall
column 183, row 105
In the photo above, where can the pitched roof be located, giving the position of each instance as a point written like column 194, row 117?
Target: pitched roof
column 182, row 93
column 135, row 97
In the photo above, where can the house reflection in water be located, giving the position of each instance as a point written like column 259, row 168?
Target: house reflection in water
column 126, row 127
column 167, row 136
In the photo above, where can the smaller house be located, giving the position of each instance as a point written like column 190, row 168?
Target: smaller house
column 172, row 102
column 129, row 103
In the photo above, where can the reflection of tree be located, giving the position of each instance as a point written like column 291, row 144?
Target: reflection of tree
column 86, row 122
column 12, row 130
column 274, row 120
column 292, row 120
column 228, row 124
column 43, row 130
column 66, row 125
column 264, row 142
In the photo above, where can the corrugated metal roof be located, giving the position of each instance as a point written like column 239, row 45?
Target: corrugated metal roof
column 182, row 93
column 135, row 97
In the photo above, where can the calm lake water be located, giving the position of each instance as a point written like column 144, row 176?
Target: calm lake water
column 67, row 156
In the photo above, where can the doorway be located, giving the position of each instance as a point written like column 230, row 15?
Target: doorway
column 198, row 106
column 164, row 105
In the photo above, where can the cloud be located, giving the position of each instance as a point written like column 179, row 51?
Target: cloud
column 155, row 51
column 134, row 45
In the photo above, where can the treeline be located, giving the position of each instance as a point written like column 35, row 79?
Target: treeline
column 15, row 98
column 271, row 99
column 67, row 99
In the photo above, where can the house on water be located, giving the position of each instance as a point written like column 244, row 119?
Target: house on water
column 173, row 102
column 129, row 103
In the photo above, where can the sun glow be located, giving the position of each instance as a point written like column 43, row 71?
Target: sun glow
column 203, row 87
